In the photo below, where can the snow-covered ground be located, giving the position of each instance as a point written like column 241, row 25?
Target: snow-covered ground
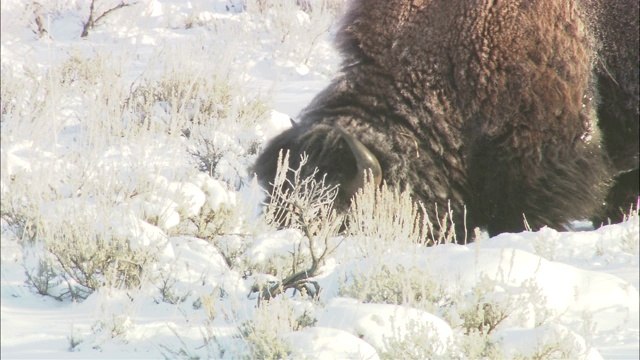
column 91, row 157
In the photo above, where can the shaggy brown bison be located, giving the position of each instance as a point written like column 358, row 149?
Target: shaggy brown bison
column 505, row 107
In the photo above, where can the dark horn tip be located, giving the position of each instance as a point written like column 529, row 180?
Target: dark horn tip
column 365, row 161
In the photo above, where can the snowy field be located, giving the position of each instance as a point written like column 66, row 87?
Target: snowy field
column 132, row 227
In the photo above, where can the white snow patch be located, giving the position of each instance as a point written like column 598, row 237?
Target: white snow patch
column 379, row 323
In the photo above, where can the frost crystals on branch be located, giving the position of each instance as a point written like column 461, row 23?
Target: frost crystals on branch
column 305, row 204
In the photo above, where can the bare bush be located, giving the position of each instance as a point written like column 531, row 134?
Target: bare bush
column 305, row 204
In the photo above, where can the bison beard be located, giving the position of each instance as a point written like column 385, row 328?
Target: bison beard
column 507, row 109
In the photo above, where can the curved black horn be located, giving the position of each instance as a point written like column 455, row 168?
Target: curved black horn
column 365, row 161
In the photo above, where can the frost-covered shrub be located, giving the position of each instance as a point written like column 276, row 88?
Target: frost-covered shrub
column 24, row 96
column 550, row 341
column 305, row 204
column 214, row 215
column 184, row 100
column 115, row 316
column 94, row 87
column 278, row 254
column 301, row 203
column 485, row 308
column 18, row 212
column 630, row 242
column 44, row 278
column 85, row 258
column 165, row 282
column 24, row 15
column 476, row 345
column 387, row 327
column 383, row 217
column 415, row 344
column 211, row 107
column 88, row 72
column 86, row 222
column 385, row 284
column 82, row 94
column 476, row 313
column 488, row 306
column 21, row 97
column 264, row 333
column 293, row 28
column 210, row 224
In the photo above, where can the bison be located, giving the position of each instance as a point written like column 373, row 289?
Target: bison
column 505, row 108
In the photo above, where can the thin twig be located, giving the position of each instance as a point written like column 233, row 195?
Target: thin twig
column 91, row 22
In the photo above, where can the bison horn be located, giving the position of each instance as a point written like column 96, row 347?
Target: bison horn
column 365, row 161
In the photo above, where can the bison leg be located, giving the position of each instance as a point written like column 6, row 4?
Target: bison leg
column 548, row 189
column 622, row 196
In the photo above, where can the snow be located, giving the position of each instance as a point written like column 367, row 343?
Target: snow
column 376, row 323
column 77, row 162
column 522, row 341
column 329, row 343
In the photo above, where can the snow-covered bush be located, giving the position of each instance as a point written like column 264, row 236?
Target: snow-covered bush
column 188, row 100
column 264, row 333
column 86, row 260
column 419, row 342
column 295, row 28
column 381, row 217
column 380, row 283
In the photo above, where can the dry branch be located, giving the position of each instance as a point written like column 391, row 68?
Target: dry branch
column 91, row 22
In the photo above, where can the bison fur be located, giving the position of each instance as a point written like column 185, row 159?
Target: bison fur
column 510, row 109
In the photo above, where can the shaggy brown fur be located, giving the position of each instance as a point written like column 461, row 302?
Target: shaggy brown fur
column 491, row 105
column 617, row 73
